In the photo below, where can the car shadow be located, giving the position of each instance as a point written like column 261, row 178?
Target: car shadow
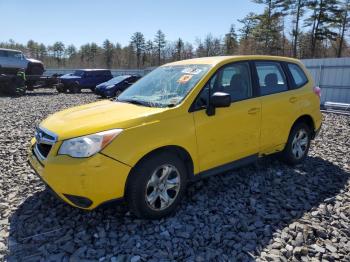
column 232, row 215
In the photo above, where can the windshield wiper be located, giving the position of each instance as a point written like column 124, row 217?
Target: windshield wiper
column 135, row 102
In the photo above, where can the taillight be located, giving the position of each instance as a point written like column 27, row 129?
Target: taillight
column 317, row 91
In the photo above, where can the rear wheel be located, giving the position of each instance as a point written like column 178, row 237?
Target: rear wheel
column 156, row 186
column 298, row 144
column 74, row 88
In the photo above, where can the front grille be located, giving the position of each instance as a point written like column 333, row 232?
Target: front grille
column 44, row 142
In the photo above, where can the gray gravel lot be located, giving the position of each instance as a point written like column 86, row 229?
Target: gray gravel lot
column 266, row 211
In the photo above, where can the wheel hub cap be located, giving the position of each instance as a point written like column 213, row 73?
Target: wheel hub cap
column 163, row 187
column 300, row 144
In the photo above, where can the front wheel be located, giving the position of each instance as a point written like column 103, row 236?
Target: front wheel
column 156, row 186
column 298, row 144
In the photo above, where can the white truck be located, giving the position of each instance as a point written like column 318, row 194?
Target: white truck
column 12, row 60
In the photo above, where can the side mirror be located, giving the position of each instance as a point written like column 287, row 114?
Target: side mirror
column 218, row 99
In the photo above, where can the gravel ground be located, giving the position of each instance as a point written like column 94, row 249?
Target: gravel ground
column 265, row 211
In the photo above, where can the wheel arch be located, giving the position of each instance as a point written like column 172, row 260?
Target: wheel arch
column 179, row 151
column 308, row 120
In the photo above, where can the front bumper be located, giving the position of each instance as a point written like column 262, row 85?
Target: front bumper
column 84, row 183
column 104, row 92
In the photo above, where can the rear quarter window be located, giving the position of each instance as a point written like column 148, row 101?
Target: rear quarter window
column 298, row 75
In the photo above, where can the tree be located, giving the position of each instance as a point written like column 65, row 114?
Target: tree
column 230, row 41
column 324, row 13
column 108, row 53
column 188, row 51
column 179, row 46
column 33, row 48
column 297, row 8
column 71, row 51
column 93, row 53
column 160, row 42
column 42, row 51
column 344, row 20
column 58, row 51
column 138, row 44
column 247, row 41
column 200, row 51
column 149, row 50
column 268, row 30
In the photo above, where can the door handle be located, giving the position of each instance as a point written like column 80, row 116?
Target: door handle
column 293, row 99
column 253, row 110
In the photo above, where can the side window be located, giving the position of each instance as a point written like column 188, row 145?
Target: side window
column 271, row 78
column 298, row 75
column 234, row 79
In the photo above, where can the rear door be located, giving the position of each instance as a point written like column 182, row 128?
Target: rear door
column 279, row 105
column 232, row 133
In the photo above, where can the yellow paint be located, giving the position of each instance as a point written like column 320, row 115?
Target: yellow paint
column 232, row 133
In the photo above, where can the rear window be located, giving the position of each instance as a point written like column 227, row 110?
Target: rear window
column 298, row 75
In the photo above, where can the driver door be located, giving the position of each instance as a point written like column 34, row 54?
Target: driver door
column 233, row 132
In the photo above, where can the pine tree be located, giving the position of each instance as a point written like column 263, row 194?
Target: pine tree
column 297, row 8
column 108, row 53
column 268, row 30
column 344, row 22
column 138, row 45
column 160, row 42
column 230, row 41
column 324, row 14
column 179, row 46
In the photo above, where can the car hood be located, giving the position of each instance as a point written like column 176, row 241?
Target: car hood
column 101, row 86
column 97, row 117
column 34, row 61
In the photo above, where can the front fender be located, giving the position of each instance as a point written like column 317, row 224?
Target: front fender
column 136, row 142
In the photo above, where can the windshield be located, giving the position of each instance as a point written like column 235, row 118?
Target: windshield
column 116, row 80
column 79, row 73
column 164, row 86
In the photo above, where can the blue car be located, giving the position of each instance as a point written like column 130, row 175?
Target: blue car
column 83, row 79
column 116, row 85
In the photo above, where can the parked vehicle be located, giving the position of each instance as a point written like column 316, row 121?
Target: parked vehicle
column 116, row 85
column 12, row 60
column 183, row 121
column 83, row 79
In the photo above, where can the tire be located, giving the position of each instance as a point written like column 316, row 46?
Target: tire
column 118, row 92
column 298, row 144
column 146, row 193
column 75, row 88
column 61, row 89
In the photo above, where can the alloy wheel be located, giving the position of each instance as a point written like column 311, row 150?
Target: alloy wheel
column 300, row 143
column 163, row 187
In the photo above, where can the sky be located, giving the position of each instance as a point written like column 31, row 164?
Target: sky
column 79, row 22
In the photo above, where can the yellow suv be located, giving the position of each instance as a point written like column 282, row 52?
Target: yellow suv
column 182, row 121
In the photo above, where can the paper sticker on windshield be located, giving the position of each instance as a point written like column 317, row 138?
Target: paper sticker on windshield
column 192, row 71
column 184, row 79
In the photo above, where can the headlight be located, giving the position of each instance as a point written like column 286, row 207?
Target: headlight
column 89, row 145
